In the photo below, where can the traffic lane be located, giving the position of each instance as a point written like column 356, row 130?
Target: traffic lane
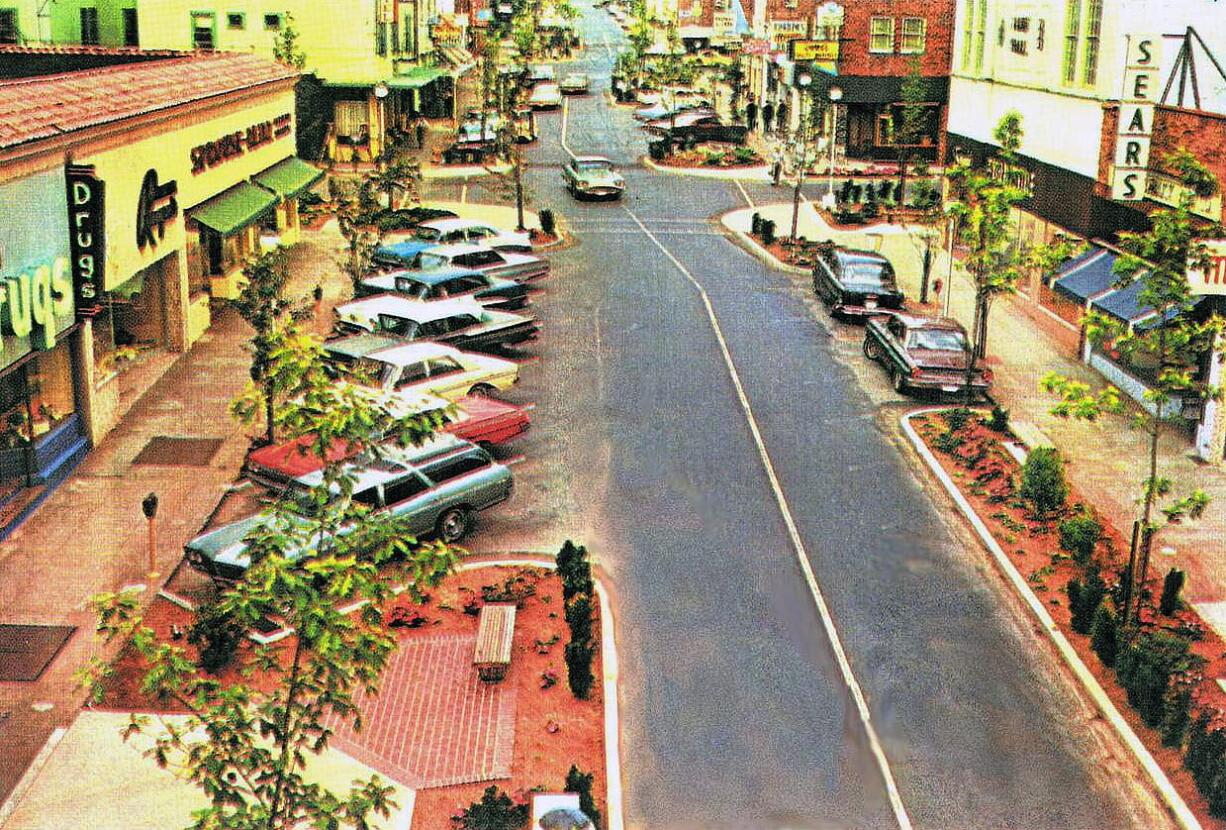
column 732, row 695
column 976, row 731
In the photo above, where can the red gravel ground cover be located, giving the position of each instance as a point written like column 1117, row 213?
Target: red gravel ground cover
column 1032, row 545
column 553, row 730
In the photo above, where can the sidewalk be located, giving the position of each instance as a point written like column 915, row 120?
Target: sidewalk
column 1106, row 458
column 90, row 535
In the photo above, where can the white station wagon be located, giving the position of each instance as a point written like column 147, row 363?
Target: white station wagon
column 473, row 231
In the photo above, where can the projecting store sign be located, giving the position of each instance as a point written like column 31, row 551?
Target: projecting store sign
column 213, row 153
column 1141, row 87
column 1213, row 279
column 86, row 238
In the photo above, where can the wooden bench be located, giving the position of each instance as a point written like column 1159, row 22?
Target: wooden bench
column 495, row 628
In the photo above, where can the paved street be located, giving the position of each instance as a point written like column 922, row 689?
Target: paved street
column 735, row 713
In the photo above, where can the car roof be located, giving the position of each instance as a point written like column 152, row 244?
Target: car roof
column 402, row 248
column 453, row 224
column 457, row 248
column 431, row 276
column 858, row 255
column 920, row 321
column 400, row 353
column 570, row 75
column 591, row 158
column 419, row 310
column 360, row 345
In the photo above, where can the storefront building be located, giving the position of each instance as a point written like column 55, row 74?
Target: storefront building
column 139, row 189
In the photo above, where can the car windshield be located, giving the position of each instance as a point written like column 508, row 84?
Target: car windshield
column 365, row 371
column 426, row 261
column 428, row 234
column 593, row 165
column 937, row 340
column 868, row 275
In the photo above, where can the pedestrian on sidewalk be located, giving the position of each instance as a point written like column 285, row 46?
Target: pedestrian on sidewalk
column 777, row 165
column 768, row 114
column 751, row 114
column 419, row 132
column 781, row 115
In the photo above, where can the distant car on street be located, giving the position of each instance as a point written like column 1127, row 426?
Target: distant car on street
column 463, row 323
column 657, row 111
column 448, row 283
column 474, row 231
column 576, row 83
column 410, row 256
column 677, row 97
column 855, row 284
column 929, row 353
column 436, row 488
column 696, row 126
column 540, row 72
column 592, row 176
column 545, row 96
column 410, row 370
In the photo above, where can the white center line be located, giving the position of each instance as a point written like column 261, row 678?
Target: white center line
column 741, row 188
column 798, row 545
column 464, row 192
column 565, row 120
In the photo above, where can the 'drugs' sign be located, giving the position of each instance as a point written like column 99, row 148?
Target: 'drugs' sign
column 1136, row 125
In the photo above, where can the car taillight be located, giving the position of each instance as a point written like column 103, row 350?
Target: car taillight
column 916, row 371
column 987, row 374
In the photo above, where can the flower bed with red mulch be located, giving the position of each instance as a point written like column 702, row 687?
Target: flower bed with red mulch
column 714, row 157
column 553, row 730
column 989, row 476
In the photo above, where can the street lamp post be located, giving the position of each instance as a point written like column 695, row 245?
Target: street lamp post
column 802, row 80
column 836, row 95
column 381, row 91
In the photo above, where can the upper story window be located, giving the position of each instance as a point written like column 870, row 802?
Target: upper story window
column 881, row 35
column 9, row 31
column 89, row 25
column 272, row 22
column 1072, row 34
column 1094, row 25
column 236, row 20
column 968, row 33
column 203, row 30
column 981, row 33
column 914, row 35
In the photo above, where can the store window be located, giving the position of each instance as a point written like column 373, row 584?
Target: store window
column 1072, row 33
column 914, row 35
column 981, row 32
column 204, row 27
column 881, row 35
column 89, row 25
column 131, row 30
column 380, row 38
column 236, row 20
column 222, row 254
column 9, row 32
column 35, row 398
column 352, row 122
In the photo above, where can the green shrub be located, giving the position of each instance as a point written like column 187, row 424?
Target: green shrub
column 1084, row 599
column 1043, row 485
column 947, row 442
column 495, row 811
column 999, row 420
column 1104, row 637
column 755, row 224
column 216, row 635
column 845, row 191
column 580, row 783
column 1177, row 715
column 956, row 419
column 1144, row 668
column 768, row 231
column 713, row 159
column 1206, row 749
column 579, row 617
column 548, row 224
column 579, row 656
column 574, row 570
column 1079, row 535
column 743, row 155
column 1172, row 585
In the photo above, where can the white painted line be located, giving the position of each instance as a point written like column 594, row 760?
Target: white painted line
column 31, row 774
column 741, row 188
column 798, row 545
column 1174, row 801
column 464, row 192
column 565, row 122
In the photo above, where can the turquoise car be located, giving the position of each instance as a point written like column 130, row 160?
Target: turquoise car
column 438, row 487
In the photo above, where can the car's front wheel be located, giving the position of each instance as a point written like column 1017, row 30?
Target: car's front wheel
column 454, row 524
column 481, row 390
column 871, row 350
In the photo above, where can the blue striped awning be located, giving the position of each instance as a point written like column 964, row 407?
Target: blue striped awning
column 1086, row 275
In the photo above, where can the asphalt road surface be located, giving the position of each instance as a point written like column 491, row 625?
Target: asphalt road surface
column 701, row 427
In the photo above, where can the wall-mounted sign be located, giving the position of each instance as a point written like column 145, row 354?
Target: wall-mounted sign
column 1170, row 191
column 155, row 206
column 213, row 153
column 33, row 299
column 86, row 235
column 1136, row 124
column 1213, row 279
column 814, row 50
column 756, row 46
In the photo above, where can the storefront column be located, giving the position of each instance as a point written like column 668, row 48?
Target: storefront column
column 174, row 288
column 1211, row 431
column 96, row 423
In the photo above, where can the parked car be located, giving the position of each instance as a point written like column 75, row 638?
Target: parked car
column 545, row 96
column 657, row 111
column 448, row 283
column 483, row 421
column 436, row 488
column 924, row 353
column 463, row 323
column 538, row 72
column 673, row 97
column 450, row 231
column 410, row 370
column 576, row 83
column 696, row 126
column 855, row 283
column 592, row 176
column 474, row 257
column 472, row 145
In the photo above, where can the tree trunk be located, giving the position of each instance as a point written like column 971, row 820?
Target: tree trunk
column 973, row 351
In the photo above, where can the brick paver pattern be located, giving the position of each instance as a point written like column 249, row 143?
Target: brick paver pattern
column 434, row 723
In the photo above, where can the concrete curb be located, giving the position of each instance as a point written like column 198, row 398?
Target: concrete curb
column 761, row 173
column 615, row 818
column 1174, row 801
column 751, row 244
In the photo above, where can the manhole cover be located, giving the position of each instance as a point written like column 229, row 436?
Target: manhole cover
column 27, row 650
column 171, row 451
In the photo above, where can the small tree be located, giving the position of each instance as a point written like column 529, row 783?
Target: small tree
column 580, row 783
column 912, row 120
column 495, row 811
column 1103, row 637
column 285, row 48
column 395, row 176
column 574, row 570
column 1144, row 667
column 1176, row 343
column 357, row 257
column 264, row 307
column 1084, row 598
column 1043, row 484
column 579, row 656
column 579, row 617
column 1079, row 536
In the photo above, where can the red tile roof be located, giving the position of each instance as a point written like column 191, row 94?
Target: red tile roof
column 51, row 105
column 79, row 49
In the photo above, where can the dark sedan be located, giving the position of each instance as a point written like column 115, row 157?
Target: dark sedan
column 929, row 353
column 696, row 126
column 855, row 284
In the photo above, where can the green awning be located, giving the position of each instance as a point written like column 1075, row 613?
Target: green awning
column 416, row 77
column 289, row 177
column 234, row 209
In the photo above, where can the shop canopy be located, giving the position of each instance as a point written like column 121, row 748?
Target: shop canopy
column 234, row 209
column 289, row 177
column 1091, row 278
column 416, row 77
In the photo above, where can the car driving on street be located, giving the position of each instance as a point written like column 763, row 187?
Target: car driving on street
column 593, row 176
column 695, row 126
column 576, row 83
column 545, row 96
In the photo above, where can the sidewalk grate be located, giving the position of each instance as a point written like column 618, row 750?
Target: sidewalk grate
column 173, row 451
column 27, row 650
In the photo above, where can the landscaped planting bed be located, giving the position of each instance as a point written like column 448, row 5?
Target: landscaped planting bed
column 713, row 156
column 1163, row 674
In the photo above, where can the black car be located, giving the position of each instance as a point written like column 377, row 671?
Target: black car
column 696, row 126
column 856, row 284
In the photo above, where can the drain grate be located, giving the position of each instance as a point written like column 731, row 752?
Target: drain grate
column 172, row 451
column 27, row 650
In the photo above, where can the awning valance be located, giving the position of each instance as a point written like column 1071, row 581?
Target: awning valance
column 234, row 209
column 416, row 77
column 289, row 177
column 1087, row 275
column 459, row 58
